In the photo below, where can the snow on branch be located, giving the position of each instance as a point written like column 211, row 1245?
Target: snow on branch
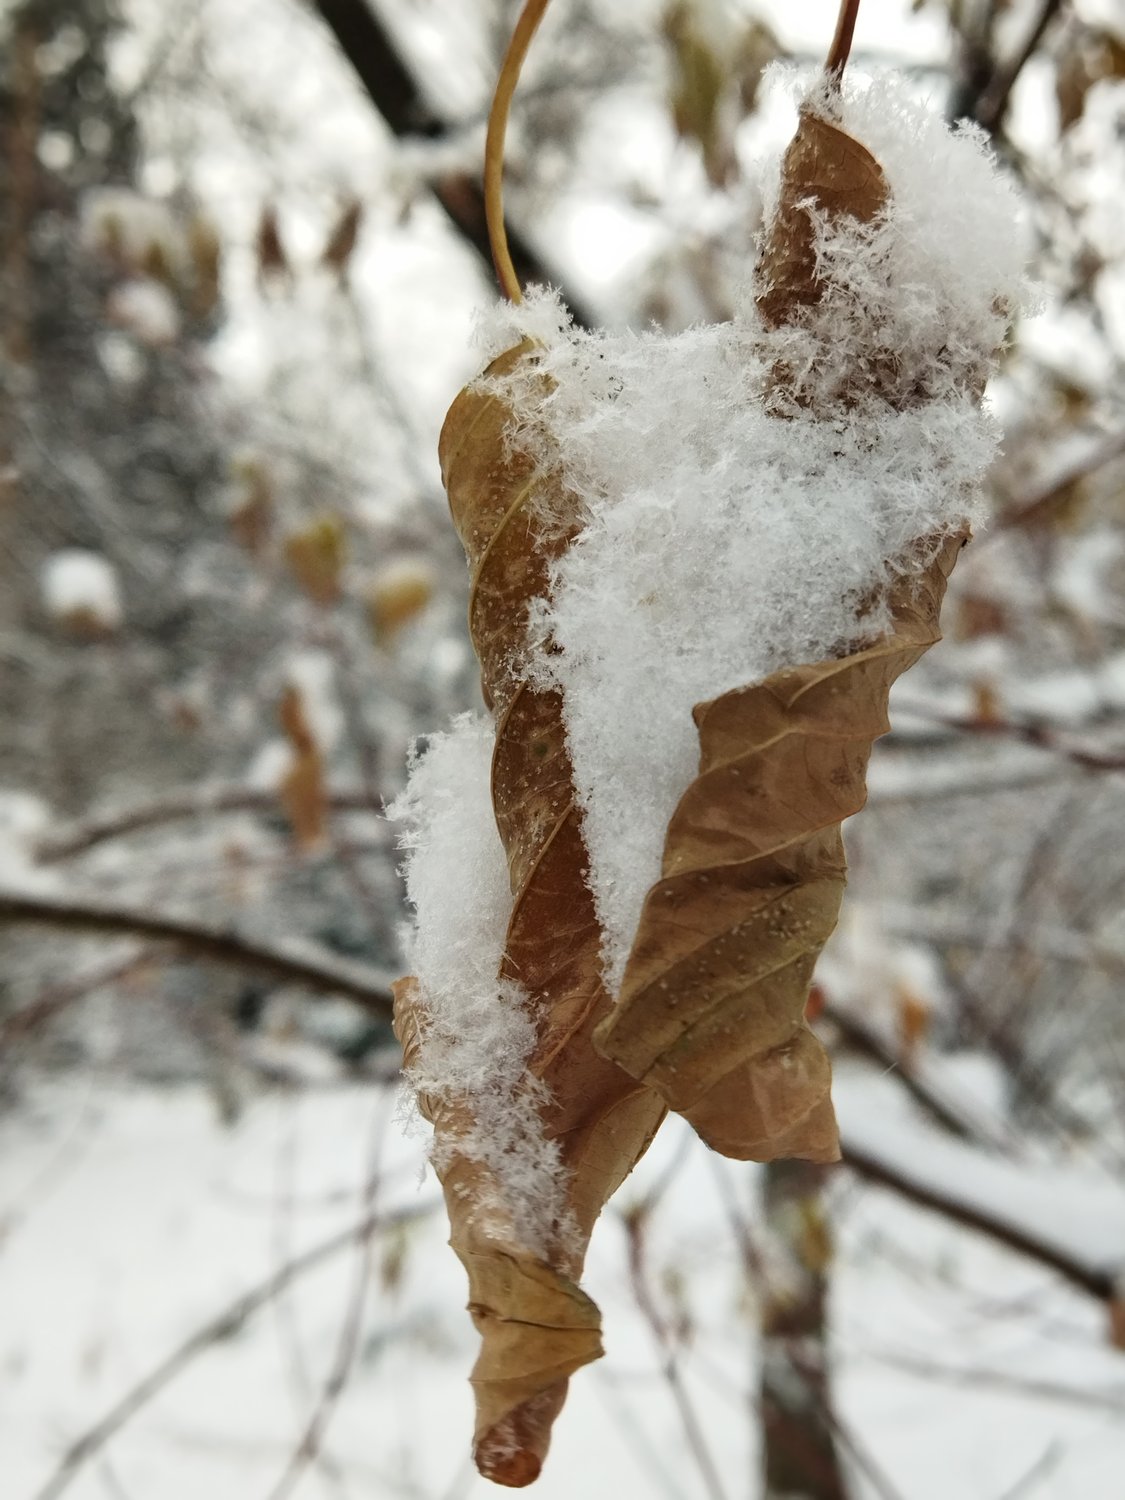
column 1072, row 1223
column 82, row 834
column 288, row 961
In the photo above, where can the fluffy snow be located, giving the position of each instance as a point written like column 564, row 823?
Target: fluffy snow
column 478, row 1034
column 1075, row 1212
column 81, row 584
column 730, row 531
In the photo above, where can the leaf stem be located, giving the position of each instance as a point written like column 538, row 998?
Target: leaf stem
column 841, row 46
column 525, row 29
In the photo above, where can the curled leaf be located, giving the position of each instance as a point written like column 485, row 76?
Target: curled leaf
column 712, row 1007
column 711, row 1010
column 536, row 1325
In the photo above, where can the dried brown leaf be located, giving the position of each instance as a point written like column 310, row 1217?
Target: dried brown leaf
column 273, row 262
column 711, row 1010
column 343, row 238
column 316, row 555
column 302, row 791
column 536, row 1325
column 398, row 594
column 711, row 1016
column 828, row 169
column 699, row 85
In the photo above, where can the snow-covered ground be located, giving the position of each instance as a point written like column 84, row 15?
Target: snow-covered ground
column 129, row 1220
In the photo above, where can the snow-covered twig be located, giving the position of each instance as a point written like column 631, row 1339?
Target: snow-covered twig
column 176, row 806
column 1074, row 1226
column 290, row 963
column 57, row 997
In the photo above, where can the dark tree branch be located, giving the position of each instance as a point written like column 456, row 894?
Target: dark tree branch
column 304, row 965
column 991, row 104
column 1096, row 1281
column 946, row 1111
column 395, row 93
column 59, row 997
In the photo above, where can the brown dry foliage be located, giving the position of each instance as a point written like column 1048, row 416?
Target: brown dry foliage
column 536, row 1325
column 711, row 1017
column 302, row 792
column 316, row 556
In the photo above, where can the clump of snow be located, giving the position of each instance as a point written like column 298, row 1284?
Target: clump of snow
column 147, row 310
column 24, row 819
column 271, row 764
column 731, row 530
column 478, row 1033
column 80, row 589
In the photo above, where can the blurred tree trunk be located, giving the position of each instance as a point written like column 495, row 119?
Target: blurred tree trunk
column 800, row 1459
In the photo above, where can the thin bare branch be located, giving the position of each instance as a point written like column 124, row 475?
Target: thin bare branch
column 309, row 1449
column 225, row 1323
column 944, row 1109
column 397, row 95
column 1043, row 736
column 642, row 1294
column 1039, row 507
column 992, row 105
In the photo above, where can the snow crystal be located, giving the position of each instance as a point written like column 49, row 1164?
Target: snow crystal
column 729, row 531
column 80, row 585
column 478, row 1033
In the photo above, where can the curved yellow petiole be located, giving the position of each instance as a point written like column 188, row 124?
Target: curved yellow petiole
column 525, row 29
